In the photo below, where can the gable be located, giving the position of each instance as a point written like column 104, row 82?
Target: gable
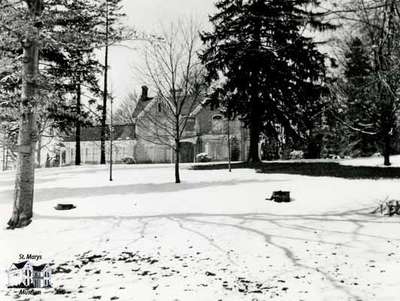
column 40, row 268
column 19, row 265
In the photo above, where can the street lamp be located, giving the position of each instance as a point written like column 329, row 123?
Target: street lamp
column 111, row 139
column 229, row 147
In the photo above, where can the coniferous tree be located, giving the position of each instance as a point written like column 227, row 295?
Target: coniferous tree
column 75, row 64
column 29, row 32
column 361, row 109
column 268, row 72
column 378, row 22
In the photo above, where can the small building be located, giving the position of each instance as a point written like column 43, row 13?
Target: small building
column 20, row 274
column 123, row 145
column 26, row 275
column 41, row 276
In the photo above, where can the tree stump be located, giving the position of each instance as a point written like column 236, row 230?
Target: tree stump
column 280, row 196
column 64, row 206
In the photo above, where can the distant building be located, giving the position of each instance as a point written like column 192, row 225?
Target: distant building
column 206, row 132
column 123, row 145
column 24, row 274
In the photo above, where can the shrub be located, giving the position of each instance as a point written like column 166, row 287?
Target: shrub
column 128, row 160
column 296, row 154
column 203, row 157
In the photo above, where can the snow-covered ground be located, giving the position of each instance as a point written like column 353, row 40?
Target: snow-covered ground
column 213, row 237
column 372, row 161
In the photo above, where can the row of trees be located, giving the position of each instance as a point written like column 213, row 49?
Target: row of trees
column 48, row 64
column 264, row 69
column 261, row 65
column 258, row 63
column 365, row 102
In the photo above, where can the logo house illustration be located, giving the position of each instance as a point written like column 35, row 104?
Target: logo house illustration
column 26, row 275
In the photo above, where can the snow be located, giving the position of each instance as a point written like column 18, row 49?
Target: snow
column 372, row 161
column 212, row 237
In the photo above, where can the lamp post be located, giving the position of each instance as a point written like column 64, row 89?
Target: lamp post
column 229, row 148
column 111, row 139
column 105, row 91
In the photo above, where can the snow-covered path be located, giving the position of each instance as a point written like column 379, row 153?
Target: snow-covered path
column 213, row 237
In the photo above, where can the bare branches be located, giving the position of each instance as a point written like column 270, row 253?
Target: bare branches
column 173, row 71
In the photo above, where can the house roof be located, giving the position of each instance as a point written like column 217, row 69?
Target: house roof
column 39, row 268
column 20, row 265
column 198, row 108
column 141, row 105
column 121, row 132
column 188, row 108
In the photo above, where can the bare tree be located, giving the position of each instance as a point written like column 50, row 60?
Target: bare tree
column 173, row 71
column 124, row 114
column 377, row 22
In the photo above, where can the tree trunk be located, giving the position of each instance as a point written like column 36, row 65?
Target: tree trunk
column 25, row 174
column 39, row 147
column 254, row 156
column 177, row 158
column 4, row 150
column 78, row 127
column 386, row 150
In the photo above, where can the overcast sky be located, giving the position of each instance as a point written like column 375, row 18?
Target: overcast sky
column 147, row 15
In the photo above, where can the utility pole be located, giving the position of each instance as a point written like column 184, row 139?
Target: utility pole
column 4, row 151
column 111, row 139
column 105, row 94
column 6, row 163
column 229, row 148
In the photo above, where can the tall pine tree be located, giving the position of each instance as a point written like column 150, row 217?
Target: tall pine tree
column 268, row 72
column 361, row 109
column 75, row 64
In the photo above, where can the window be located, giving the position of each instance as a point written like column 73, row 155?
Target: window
column 217, row 124
column 190, row 123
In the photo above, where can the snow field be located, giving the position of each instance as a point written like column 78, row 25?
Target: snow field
column 213, row 237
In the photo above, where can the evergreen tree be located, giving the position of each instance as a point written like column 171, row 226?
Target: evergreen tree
column 361, row 108
column 374, row 97
column 29, row 32
column 269, row 73
column 75, row 65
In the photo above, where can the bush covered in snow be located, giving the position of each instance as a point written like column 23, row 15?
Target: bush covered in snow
column 203, row 157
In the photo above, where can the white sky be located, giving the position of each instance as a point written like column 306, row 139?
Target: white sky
column 147, row 15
